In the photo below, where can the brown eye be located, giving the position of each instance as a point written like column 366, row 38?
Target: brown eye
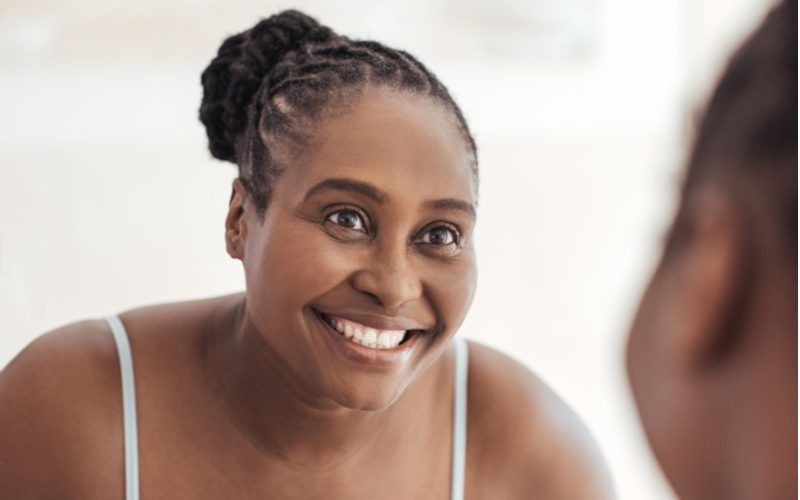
column 440, row 236
column 348, row 219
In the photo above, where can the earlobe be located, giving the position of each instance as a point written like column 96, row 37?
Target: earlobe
column 235, row 224
column 709, row 279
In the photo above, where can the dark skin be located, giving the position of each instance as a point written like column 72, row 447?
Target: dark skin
column 251, row 396
column 712, row 355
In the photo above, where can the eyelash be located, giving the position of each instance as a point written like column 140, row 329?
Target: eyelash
column 348, row 210
column 454, row 232
column 365, row 230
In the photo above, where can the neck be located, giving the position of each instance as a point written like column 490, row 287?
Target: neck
column 286, row 421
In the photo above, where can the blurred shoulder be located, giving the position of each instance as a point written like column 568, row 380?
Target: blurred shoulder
column 58, row 397
column 524, row 440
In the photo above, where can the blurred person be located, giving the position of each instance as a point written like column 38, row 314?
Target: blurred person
column 336, row 373
column 712, row 353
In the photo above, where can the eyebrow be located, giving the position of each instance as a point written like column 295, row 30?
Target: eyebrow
column 453, row 204
column 370, row 191
column 339, row 184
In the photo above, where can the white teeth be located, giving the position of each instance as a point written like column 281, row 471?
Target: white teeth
column 370, row 337
column 367, row 336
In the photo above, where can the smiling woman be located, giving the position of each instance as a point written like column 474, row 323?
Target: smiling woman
column 360, row 230
column 335, row 374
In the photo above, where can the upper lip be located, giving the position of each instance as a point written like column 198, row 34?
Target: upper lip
column 376, row 321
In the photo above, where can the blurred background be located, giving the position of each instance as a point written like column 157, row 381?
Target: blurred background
column 582, row 110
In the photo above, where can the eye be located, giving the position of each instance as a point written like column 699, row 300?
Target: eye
column 348, row 219
column 441, row 236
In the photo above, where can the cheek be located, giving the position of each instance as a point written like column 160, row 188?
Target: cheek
column 642, row 357
column 293, row 263
column 655, row 379
column 452, row 287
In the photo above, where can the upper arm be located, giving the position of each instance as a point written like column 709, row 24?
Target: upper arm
column 526, row 441
column 53, row 407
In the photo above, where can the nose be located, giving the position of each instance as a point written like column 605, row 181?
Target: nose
column 390, row 278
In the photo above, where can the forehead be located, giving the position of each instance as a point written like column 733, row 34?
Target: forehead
column 402, row 143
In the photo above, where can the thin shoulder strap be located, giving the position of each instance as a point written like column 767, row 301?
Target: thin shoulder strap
column 128, row 408
column 459, row 419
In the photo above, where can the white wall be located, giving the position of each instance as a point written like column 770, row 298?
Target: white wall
column 109, row 200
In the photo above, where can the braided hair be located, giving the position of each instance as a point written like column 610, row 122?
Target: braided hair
column 267, row 85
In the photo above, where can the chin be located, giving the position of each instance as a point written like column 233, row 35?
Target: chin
column 367, row 396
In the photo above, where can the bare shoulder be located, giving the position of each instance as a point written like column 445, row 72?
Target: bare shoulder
column 61, row 429
column 524, row 441
column 58, row 397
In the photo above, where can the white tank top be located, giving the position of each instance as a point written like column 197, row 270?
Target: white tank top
column 459, row 439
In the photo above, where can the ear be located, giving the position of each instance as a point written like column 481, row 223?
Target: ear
column 235, row 223
column 705, row 278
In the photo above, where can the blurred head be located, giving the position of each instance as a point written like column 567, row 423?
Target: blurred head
column 712, row 354
column 353, row 209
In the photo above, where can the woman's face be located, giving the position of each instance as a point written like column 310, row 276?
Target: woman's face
column 363, row 266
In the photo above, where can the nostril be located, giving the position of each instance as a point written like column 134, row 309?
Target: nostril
column 375, row 298
column 388, row 286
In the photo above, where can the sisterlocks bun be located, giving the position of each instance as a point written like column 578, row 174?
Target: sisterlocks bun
column 243, row 62
column 270, row 85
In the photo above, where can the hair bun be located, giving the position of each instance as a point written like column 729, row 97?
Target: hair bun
column 235, row 75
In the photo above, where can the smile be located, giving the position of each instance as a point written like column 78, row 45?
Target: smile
column 367, row 336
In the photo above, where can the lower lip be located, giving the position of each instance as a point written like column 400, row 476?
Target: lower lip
column 365, row 355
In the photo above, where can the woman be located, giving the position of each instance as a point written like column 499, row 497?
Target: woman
column 334, row 375
column 712, row 355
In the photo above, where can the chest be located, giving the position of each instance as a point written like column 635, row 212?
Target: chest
column 188, row 448
column 188, row 472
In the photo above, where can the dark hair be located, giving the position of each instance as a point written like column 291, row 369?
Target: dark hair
column 268, row 84
column 748, row 132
